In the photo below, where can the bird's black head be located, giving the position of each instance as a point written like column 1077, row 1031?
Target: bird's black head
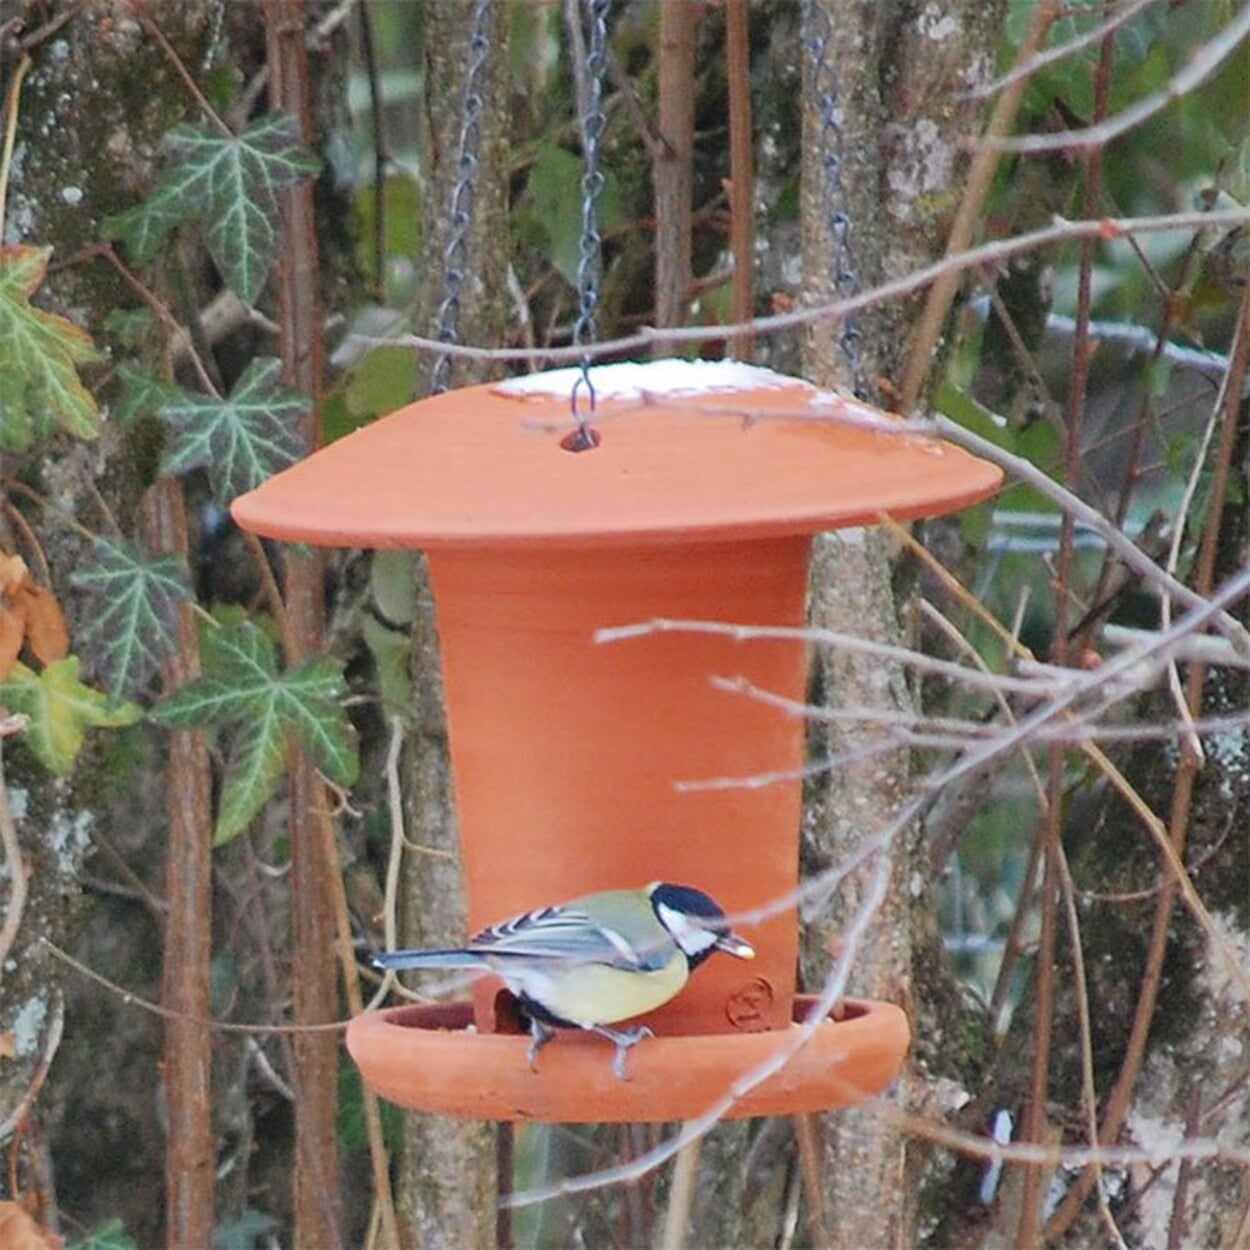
column 696, row 921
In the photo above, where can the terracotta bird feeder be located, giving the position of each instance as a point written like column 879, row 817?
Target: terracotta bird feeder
column 571, row 756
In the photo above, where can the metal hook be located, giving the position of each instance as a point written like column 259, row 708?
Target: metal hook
column 585, row 437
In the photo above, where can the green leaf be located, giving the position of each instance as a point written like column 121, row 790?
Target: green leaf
column 230, row 185
column 133, row 628
column 959, row 405
column 353, row 1133
column 141, row 395
column 144, row 228
column 127, row 327
column 379, row 382
column 553, row 206
column 243, row 691
column 251, row 1229
column 307, row 694
column 39, row 384
column 401, row 202
column 61, row 709
column 110, row 1236
column 241, row 440
column 252, row 772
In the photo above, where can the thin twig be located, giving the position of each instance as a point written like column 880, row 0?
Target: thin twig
column 1089, row 1095
column 11, row 103
column 1171, row 841
column 15, row 908
column 1125, row 548
column 41, row 34
column 1180, row 528
column 394, row 859
column 1180, row 1195
column 180, row 339
column 681, row 1196
column 381, row 152
column 741, row 168
column 1195, row 70
column 976, row 187
column 379, row 1156
column 807, row 1134
column 1026, row 69
column 1061, row 230
column 153, row 28
column 131, row 999
column 851, row 643
column 1013, row 944
column 52, row 1042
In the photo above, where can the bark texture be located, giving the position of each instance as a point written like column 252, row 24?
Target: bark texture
column 93, row 109
column 896, row 140
column 190, row 1155
column 447, row 1186
column 314, row 973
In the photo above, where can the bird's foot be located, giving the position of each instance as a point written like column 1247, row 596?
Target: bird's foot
column 540, row 1035
column 624, row 1040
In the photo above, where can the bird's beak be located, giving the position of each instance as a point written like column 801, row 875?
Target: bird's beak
column 733, row 945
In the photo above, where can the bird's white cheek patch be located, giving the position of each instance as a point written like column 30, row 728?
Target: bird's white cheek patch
column 674, row 921
column 692, row 938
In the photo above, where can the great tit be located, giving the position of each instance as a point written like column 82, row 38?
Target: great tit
column 594, row 961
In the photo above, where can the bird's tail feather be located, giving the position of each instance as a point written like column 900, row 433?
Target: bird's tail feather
column 397, row 960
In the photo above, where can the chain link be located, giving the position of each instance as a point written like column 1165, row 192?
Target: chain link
column 590, row 259
column 463, row 194
column 817, row 39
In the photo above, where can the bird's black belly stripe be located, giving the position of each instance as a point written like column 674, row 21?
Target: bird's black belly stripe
column 536, row 1011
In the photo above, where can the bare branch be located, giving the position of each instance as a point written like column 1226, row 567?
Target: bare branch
column 1061, row 230
column 1049, row 56
column 1196, row 70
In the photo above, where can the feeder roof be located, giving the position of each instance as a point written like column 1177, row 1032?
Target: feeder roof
column 688, row 450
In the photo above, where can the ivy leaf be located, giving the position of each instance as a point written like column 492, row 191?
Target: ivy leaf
column 250, row 1228
column 110, row 1236
column 241, row 440
column 229, row 184
column 133, row 628
column 141, row 396
column 39, row 384
column 243, row 691
column 61, row 709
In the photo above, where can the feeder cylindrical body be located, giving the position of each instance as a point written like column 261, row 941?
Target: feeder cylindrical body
column 582, row 765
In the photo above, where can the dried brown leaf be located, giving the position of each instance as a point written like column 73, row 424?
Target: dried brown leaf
column 12, row 631
column 19, row 1232
column 46, row 631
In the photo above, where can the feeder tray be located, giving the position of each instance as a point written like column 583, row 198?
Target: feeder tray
column 582, row 766
column 424, row 1057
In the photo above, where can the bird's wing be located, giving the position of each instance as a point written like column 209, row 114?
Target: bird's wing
column 398, row 960
column 561, row 934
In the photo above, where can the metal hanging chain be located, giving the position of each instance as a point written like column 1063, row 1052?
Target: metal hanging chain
column 456, row 253
column 817, row 26
column 590, row 260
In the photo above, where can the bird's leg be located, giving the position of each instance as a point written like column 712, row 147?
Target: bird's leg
column 540, row 1035
column 624, row 1039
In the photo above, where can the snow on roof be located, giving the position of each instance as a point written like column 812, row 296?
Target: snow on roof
column 631, row 379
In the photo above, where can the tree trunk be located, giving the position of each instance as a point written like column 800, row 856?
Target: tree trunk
column 190, row 1153
column 314, row 972
column 92, row 113
column 447, row 1187
column 671, row 172
column 886, row 147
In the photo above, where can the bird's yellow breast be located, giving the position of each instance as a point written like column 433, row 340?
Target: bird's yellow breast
column 591, row 994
